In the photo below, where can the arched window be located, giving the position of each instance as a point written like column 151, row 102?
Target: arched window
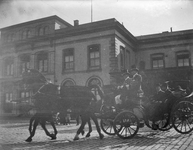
column 8, row 66
column 40, row 31
column 68, row 83
column 24, row 63
column 28, row 34
column 46, row 30
column 91, row 83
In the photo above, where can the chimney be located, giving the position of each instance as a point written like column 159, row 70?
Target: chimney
column 171, row 29
column 76, row 22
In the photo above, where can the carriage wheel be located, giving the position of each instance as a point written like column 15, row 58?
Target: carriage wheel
column 126, row 125
column 165, row 123
column 107, row 126
column 107, row 119
column 182, row 117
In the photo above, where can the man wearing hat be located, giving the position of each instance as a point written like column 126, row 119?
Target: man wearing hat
column 124, row 88
column 133, row 86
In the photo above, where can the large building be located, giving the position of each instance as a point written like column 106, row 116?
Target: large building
column 86, row 54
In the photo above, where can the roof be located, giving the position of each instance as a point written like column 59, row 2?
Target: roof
column 96, row 26
column 54, row 17
column 166, row 35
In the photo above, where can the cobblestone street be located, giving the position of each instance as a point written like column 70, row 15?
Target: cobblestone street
column 14, row 133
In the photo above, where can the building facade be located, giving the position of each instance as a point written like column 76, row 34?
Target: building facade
column 86, row 54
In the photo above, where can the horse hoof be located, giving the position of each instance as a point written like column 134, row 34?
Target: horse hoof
column 101, row 136
column 28, row 139
column 82, row 132
column 53, row 136
column 88, row 135
column 76, row 138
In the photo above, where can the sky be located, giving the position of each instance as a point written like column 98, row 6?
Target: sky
column 140, row 17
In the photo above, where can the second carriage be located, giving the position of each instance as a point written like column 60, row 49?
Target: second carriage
column 126, row 122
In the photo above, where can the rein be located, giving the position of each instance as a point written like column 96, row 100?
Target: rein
column 38, row 92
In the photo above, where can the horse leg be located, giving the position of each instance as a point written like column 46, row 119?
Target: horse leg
column 43, row 124
column 54, row 127
column 32, row 132
column 30, row 124
column 94, row 118
column 90, row 128
column 81, row 128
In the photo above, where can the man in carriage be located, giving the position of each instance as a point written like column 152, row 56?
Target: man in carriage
column 163, row 100
column 131, row 89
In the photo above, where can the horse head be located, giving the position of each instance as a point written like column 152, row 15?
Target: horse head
column 30, row 76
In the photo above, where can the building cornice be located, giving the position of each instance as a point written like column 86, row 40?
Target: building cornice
column 54, row 17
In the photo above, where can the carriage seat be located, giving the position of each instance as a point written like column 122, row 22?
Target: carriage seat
column 179, row 92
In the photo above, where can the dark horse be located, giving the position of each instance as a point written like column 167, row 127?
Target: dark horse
column 49, row 99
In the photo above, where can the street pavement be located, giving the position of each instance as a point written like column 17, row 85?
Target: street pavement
column 13, row 133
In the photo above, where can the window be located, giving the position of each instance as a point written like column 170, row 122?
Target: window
column 46, row 30
column 183, row 58
column 157, row 61
column 24, row 35
column 8, row 97
column 68, row 83
column 28, row 34
column 92, row 84
column 25, row 94
column 124, row 58
column 51, row 62
column 12, row 37
column 24, row 63
column 68, row 56
column 40, row 31
column 94, row 57
column 42, row 62
column 9, row 67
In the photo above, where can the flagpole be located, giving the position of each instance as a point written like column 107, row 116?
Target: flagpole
column 91, row 11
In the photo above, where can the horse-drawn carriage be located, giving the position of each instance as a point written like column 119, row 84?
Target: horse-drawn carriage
column 176, row 111
column 124, row 122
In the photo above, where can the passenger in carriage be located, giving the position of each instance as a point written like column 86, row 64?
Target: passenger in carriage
column 132, row 84
column 120, row 97
column 161, row 93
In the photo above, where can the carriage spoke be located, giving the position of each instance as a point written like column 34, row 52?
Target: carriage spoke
column 122, row 130
column 182, row 125
column 188, row 125
column 125, row 132
column 179, row 124
column 107, row 128
column 132, row 128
